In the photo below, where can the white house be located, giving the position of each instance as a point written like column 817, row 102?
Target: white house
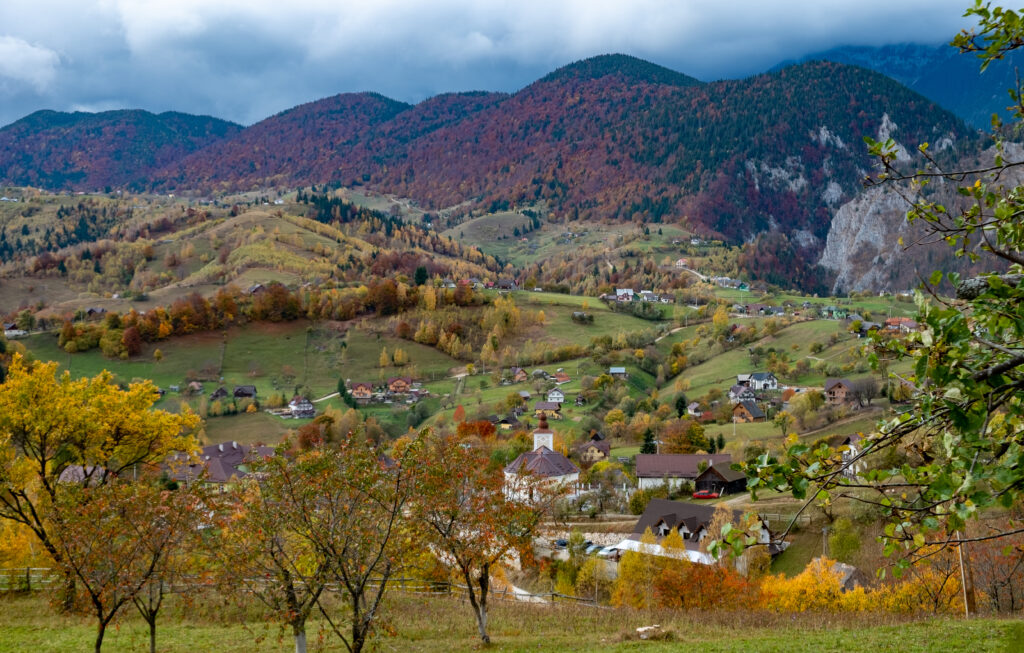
column 556, row 396
column 763, row 381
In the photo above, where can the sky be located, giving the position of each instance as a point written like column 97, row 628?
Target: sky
column 244, row 60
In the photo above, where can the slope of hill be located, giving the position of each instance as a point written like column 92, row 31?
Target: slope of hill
column 307, row 143
column 941, row 74
column 89, row 151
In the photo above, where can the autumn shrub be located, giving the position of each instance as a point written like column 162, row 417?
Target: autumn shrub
column 816, row 588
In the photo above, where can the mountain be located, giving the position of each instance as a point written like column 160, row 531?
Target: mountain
column 611, row 137
column 302, row 143
column 941, row 74
column 90, row 151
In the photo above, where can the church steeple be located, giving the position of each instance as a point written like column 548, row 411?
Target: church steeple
column 543, row 436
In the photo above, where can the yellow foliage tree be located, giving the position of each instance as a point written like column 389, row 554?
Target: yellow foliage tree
column 634, row 586
column 56, row 431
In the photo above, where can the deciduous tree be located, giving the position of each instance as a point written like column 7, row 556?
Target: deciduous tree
column 472, row 519
column 56, row 432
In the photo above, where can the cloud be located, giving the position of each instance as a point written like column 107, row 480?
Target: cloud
column 23, row 62
column 246, row 59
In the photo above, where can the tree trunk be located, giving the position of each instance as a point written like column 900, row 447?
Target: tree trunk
column 67, row 597
column 152, row 636
column 100, row 630
column 299, row 630
column 479, row 605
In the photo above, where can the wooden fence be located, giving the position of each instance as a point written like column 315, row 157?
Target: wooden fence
column 26, row 579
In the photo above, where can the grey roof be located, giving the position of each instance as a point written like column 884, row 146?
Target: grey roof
column 675, row 465
column 761, row 376
column 673, row 513
column 542, row 462
column 219, row 462
column 752, row 408
column 725, row 471
column 547, row 405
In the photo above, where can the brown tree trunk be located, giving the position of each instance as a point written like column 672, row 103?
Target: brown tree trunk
column 101, row 629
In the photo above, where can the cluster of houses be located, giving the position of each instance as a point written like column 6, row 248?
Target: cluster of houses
column 395, row 389
column 726, row 282
column 239, row 392
column 755, row 391
column 627, row 295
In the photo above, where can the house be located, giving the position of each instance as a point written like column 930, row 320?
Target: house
column 692, row 522
column 509, row 423
column 399, row 384
column 256, row 289
column 542, row 463
column 519, row 375
column 507, row 284
column 245, row 392
column 834, row 313
column 693, row 409
column 851, row 466
column 649, row 296
column 549, row 407
column 652, row 470
column 743, row 379
column 218, row 463
column 361, row 392
column 618, row 373
column 219, row 393
column 741, row 393
column 763, row 381
column 195, row 387
column 901, row 324
column 525, row 395
column 301, row 408
column 721, row 478
column 624, row 294
column 746, row 412
column 10, row 326
column 95, row 312
column 556, row 396
column 681, row 263
column 15, row 333
column 839, row 392
column 580, row 401
column 593, row 451
column 561, row 377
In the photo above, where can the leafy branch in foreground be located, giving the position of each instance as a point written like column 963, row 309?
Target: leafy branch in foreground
column 958, row 452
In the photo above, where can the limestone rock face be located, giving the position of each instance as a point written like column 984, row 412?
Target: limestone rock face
column 862, row 246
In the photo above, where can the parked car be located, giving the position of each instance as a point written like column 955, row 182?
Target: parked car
column 560, row 543
column 606, row 552
column 593, row 548
column 705, row 494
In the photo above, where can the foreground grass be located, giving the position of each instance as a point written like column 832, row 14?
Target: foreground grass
column 442, row 624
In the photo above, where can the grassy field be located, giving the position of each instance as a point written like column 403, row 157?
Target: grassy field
column 442, row 625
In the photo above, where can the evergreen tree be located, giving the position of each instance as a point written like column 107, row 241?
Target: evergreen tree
column 649, row 446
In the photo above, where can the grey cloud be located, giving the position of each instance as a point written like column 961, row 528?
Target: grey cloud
column 246, row 59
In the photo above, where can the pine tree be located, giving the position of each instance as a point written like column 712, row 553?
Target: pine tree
column 649, row 445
